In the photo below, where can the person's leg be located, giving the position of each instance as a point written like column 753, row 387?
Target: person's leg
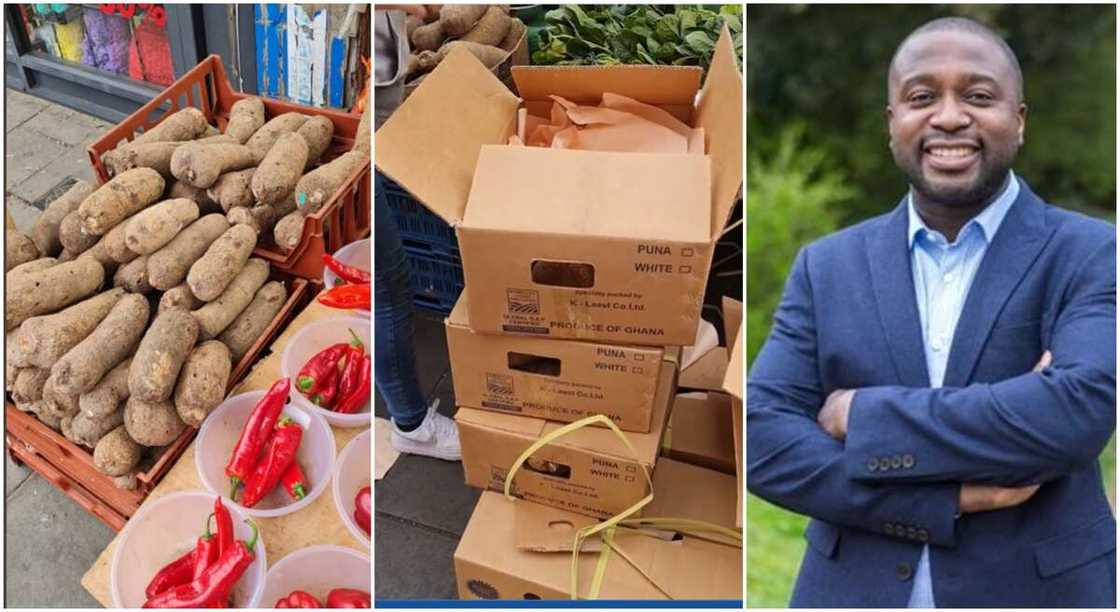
column 394, row 357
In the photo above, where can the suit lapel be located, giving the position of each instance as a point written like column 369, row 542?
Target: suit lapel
column 888, row 257
column 1016, row 246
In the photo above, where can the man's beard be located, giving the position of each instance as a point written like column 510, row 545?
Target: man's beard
column 992, row 175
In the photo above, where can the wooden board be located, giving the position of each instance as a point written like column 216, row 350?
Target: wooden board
column 318, row 523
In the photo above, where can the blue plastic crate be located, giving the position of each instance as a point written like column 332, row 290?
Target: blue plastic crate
column 420, row 230
column 437, row 280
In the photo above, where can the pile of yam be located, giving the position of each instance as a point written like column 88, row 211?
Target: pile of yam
column 485, row 30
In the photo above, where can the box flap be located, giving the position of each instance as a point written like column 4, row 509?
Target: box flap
column 657, row 85
column 459, row 316
column 703, row 433
column 431, row 142
column 527, row 426
column 719, row 112
column 733, row 380
column 732, row 310
column 707, row 372
column 591, row 193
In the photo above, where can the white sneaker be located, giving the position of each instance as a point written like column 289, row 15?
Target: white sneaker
column 437, row 436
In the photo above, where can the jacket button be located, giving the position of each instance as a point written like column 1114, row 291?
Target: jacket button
column 888, row 528
column 903, row 571
column 872, row 464
column 908, row 461
column 896, row 462
column 923, row 535
column 911, row 533
column 885, row 463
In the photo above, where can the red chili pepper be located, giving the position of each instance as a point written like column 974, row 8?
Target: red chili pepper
column 281, row 451
column 327, row 394
column 363, row 503
column 348, row 598
column 215, row 584
column 207, row 555
column 360, row 395
column 347, row 297
column 256, row 431
column 351, row 373
column 350, row 274
column 298, row 599
column 225, row 526
column 295, row 483
column 316, row 373
column 179, row 571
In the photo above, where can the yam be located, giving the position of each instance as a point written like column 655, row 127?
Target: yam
column 458, row 19
column 262, row 140
column 67, row 430
column 100, row 254
column 428, row 37
column 260, row 218
column 289, row 230
column 109, row 395
column 185, row 124
column 285, row 206
column 51, row 290
column 56, row 402
column 49, row 420
column 11, row 369
column 169, row 266
column 34, row 265
column 161, row 353
column 516, row 31
column 201, row 165
column 65, row 255
column 411, row 22
column 43, row 340
column 45, row 231
column 133, row 276
column 254, row 320
column 20, row 249
column 127, row 482
column 116, row 454
column 88, row 431
column 317, row 187
column 154, row 155
column 206, row 204
column 233, row 189
column 123, row 196
column 491, row 28
column 280, row 170
column 210, row 275
column 152, row 423
column 29, row 383
column 488, row 55
column 148, row 230
column 215, row 316
column 202, row 383
column 361, row 139
column 114, row 243
column 73, row 236
column 114, row 339
column 179, row 297
column 317, row 133
column 246, row 116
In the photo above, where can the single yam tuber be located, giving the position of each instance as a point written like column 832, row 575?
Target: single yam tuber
column 215, row 316
column 202, row 382
column 73, row 236
column 206, row 204
column 246, row 116
column 161, row 353
column 201, row 165
column 262, row 141
column 41, row 341
column 32, row 266
column 254, row 320
column 45, row 231
column 116, row 454
column 152, row 423
column 210, row 275
column 488, row 55
column 154, row 155
column 109, row 395
column 169, row 266
column 123, row 196
column 186, row 124
column 150, row 229
column 428, row 37
column 88, row 431
column 179, row 297
column 361, row 139
column 114, row 243
column 133, row 276
column 280, row 170
column 56, row 402
column 29, row 383
column 260, row 218
column 317, row 132
column 289, row 230
column 113, row 340
column 233, row 189
column 20, row 249
column 516, row 32
column 458, row 19
column 491, row 28
column 316, row 188
column 50, row 290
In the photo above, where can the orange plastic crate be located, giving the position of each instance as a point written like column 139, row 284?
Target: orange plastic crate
column 344, row 219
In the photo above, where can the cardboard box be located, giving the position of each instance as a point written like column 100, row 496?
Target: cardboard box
column 559, row 380
column 701, row 432
column 589, row 471
column 499, row 556
column 612, row 247
column 733, row 385
column 706, row 373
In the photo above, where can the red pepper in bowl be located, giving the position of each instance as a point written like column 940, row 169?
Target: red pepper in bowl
column 347, row 297
column 350, row 403
column 295, row 483
column 363, row 506
column 348, row 598
column 215, row 584
column 322, row 366
column 298, row 599
column 350, row 274
column 254, row 434
column 181, row 570
column 281, row 452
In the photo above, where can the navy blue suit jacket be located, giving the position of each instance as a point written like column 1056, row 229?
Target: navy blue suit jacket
column 849, row 320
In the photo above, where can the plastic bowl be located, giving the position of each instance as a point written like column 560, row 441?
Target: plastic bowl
column 316, row 570
column 351, row 472
column 310, row 340
column 354, row 254
column 220, row 432
column 161, row 532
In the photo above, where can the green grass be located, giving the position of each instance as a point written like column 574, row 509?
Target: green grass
column 775, row 542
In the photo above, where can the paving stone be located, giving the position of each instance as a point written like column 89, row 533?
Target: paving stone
column 19, row 107
column 411, row 562
column 14, row 475
column 73, row 164
column 23, row 214
column 64, row 125
column 25, row 153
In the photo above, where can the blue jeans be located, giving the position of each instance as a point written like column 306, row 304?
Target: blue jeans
column 393, row 354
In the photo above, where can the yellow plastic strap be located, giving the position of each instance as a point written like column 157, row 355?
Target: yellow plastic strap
column 601, row 567
column 634, row 564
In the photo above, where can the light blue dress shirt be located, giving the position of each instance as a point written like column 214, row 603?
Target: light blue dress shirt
column 943, row 273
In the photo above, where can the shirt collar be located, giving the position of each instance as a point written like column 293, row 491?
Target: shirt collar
column 988, row 220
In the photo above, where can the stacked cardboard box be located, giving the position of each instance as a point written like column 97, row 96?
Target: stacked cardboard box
column 584, row 271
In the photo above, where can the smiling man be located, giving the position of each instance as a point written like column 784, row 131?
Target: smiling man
column 939, row 381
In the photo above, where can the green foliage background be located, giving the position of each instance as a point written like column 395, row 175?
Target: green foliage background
column 817, row 159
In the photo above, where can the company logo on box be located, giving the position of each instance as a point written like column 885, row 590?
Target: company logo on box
column 482, row 589
column 523, row 301
column 500, row 384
